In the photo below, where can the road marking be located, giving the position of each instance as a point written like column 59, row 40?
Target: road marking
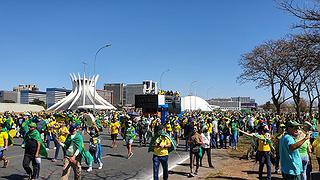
column 175, row 164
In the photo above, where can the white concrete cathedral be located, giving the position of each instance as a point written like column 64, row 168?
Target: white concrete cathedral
column 83, row 95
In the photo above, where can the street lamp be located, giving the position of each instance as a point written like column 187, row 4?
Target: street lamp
column 191, row 86
column 84, row 66
column 94, row 73
column 161, row 77
column 191, row 92
column 208, row 91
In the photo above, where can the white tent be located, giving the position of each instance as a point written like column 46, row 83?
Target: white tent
column 194, row 103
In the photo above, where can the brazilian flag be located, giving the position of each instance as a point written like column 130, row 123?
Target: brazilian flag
column 36, row 136
column 78, row 142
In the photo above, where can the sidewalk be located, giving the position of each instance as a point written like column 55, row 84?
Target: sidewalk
column 227, row 165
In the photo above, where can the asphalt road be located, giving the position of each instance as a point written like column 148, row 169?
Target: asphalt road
column 116, row 164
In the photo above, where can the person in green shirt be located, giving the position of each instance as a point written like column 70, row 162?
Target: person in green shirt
column 305, row 149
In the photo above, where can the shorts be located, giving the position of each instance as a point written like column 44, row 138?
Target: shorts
column 114, row 137
column 129, row 141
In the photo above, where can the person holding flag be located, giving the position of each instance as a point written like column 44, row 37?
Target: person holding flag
column 161, row 145
column 74, row 153
column 34, row 147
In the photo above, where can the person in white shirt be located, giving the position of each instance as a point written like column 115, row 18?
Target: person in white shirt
column 206, row 146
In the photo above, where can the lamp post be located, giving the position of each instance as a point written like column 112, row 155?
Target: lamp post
column 208, row 91
column 94, row 73
column 84, row 66
column 161, row 77
column 191, row 92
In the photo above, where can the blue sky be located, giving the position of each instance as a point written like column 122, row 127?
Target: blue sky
column 41, row 42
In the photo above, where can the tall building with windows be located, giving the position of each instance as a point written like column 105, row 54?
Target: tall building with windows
column 106, row 95
column 118, row 93
column 27, row 96
column 234, row 103
column 9, row 96
column 131, row 90
column 56, row 94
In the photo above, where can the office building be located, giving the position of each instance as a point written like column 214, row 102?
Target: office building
column 118, row 93
column 27, row 96
column 9, row 97
column 56, row 94
column 106, row 95
column 130, row 91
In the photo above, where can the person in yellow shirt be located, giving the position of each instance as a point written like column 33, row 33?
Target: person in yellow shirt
column 114, row 130
column 177, row 131
column 160, row 154
column 316, row 148
column 62, row 136
column 3, row 145
column 264, row 149
column 168, row 128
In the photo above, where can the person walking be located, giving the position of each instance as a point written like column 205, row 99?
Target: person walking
column 161, row 145
column 34, row 147
column 206, row 146
column 74, row 153
column 195, row 142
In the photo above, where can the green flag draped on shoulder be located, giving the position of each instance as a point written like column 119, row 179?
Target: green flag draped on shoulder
column 36, row 136
column 153, row 140
column 78, row 142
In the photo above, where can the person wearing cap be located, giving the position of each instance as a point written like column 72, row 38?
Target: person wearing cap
column 74, row 153
column 34, row 147
column 290, row 160
column 264, row 148
column 276, row 140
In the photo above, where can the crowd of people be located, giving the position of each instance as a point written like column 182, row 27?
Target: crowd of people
column 276, row 139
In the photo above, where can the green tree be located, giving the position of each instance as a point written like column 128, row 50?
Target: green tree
column 39, row 102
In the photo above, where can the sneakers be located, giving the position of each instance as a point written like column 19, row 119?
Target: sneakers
column 5, row 164
column 130, row 155
column 191, row 175
column 277, row 171
column 89, row 169
column 100, row 165
column 54, row 160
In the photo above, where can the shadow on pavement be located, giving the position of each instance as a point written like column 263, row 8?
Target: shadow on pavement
column 14, row 176
column 179, row 173
column 117, row 155
column 226, row 177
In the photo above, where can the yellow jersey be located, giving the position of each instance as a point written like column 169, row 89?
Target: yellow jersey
column 263, row 144
column 114, row 126
column 163, row 141
column 3, row 135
